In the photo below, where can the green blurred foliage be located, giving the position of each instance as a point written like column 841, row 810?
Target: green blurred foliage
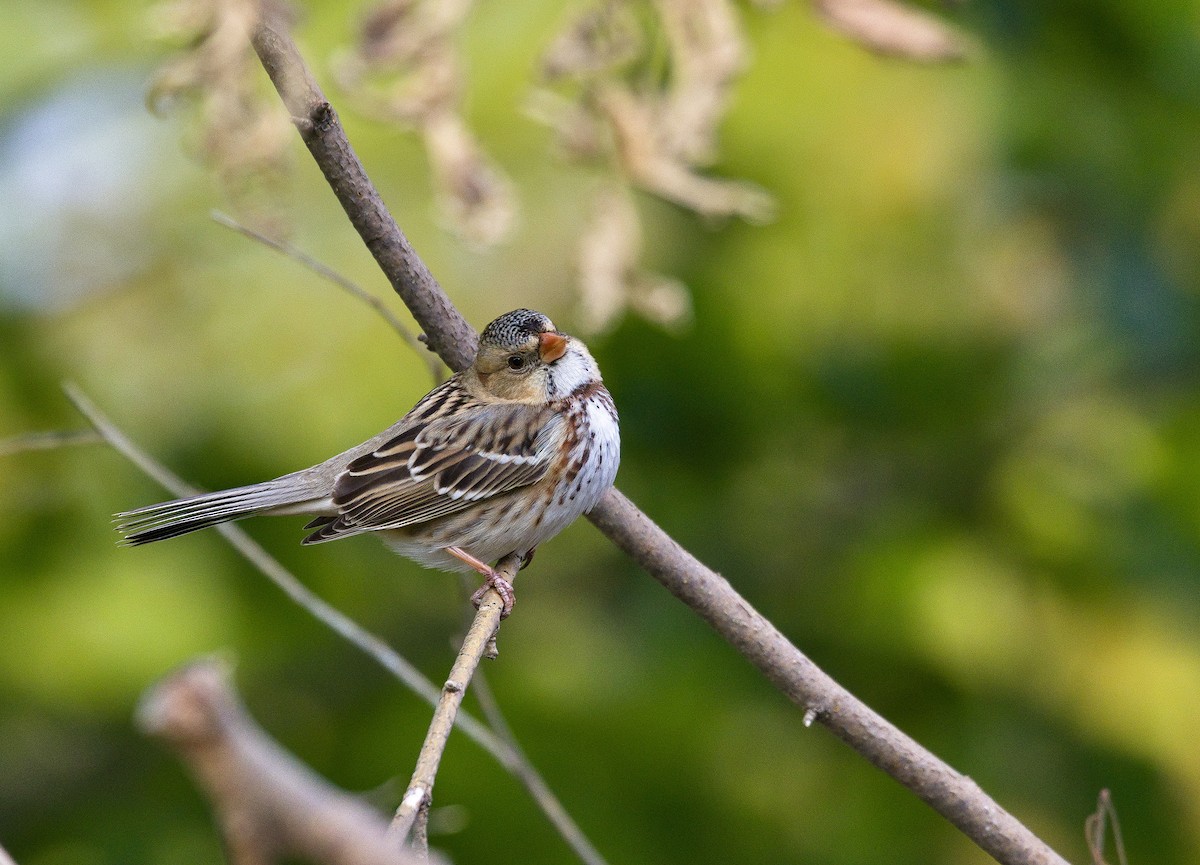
column 940, row 421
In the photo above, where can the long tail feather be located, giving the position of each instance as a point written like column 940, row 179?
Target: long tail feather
column 181, row 516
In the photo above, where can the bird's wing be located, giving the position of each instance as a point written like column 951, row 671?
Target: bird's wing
column 443, row 462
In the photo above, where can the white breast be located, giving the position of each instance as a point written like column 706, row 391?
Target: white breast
column 603, row 424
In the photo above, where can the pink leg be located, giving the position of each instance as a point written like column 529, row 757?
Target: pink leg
column 492, row 580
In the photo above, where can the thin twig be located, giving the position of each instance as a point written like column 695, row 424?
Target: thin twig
column 268, row 803
column 44, row 441
column 436, row 367
column 558, row 815
column 1094, row 830
column 954, row 796
column 372, row 646
column 328, row 615
column 419, row 794
column 490, row 707
column 523, row 769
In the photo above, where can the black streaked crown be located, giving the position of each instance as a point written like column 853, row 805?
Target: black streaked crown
column 513, row 329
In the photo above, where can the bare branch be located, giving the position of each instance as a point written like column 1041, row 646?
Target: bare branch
column 508, row 756
column 268, row 803
column 419, row 795
column 954, row 796
column 436, row 369
column 5, row 859
column 550, row 806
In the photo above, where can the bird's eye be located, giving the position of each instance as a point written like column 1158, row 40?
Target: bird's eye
column 516, row 361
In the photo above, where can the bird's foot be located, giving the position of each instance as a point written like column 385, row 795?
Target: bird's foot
column 508, row 596
column 491, row 580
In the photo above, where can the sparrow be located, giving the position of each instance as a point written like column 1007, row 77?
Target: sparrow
column 495, row 460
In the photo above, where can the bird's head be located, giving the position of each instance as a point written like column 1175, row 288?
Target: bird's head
column 523, row 358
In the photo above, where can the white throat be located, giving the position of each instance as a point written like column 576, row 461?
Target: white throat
column 572, row 371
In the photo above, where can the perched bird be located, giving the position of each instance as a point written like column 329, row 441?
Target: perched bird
column 493, row 461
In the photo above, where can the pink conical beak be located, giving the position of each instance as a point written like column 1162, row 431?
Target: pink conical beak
column 551, row 346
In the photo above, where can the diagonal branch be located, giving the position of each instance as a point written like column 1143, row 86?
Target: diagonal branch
column 44, row 441
column 268, row 803
column 954, row 796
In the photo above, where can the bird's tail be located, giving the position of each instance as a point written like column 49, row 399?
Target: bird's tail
column 288, row 494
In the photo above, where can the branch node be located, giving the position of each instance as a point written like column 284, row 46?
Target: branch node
column 810, row 715
column 415, row 798
column 323, row 116
column 190, row 705
column 453, row 687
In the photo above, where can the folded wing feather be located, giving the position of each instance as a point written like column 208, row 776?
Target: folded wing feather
column 441, row 466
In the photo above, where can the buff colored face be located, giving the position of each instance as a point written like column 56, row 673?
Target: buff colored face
column 520, row 372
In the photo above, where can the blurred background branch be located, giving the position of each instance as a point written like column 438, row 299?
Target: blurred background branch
column 436, row 369
column 1096, row 830
column 404, row 68
column 45, row 441
column 893, row 29
column 270, row 806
